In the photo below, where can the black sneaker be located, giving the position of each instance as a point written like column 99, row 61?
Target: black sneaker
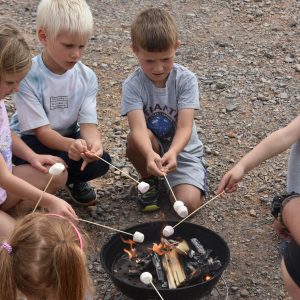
column 149, row 201
column 82, row 193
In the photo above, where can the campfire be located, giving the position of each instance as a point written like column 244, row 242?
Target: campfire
column 180, row 268
column 172, row 262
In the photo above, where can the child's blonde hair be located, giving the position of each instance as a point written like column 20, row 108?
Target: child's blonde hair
column 14, row 51
column 154, row 30
column 45, row 258
column 65, row 16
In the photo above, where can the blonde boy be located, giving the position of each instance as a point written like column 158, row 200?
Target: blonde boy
column 56, row 105
column 159, row 99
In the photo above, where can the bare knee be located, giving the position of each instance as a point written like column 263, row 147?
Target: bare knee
column 190, row 195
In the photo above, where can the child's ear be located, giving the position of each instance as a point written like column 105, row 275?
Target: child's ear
column 135, row 49
column 177, row 44
column 42, row 36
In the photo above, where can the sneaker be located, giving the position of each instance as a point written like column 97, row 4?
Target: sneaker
column 149, row 200
column 82, row 193
column 282, row 246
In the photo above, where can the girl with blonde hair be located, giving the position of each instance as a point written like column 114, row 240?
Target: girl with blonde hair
column 44, row 260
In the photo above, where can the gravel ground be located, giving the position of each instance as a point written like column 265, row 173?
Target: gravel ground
column 247, row 58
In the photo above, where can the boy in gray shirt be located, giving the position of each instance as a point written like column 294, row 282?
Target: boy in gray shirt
column 159, row 100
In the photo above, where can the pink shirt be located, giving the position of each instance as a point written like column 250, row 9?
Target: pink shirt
column 5, row 144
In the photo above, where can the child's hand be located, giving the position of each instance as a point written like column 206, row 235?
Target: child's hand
column 169, row 161
column 77, row 147
column 154, row 164
column 39, row 161
column 61, row 207
column 230, row 180
column 91, row 154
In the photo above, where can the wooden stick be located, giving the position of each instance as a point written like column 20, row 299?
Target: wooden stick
column 104, row 226
column 199, row 208
column 170, row 187
column 116, row 168
column 37, row 204
column 157, row 291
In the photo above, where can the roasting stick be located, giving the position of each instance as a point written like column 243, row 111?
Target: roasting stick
column 170, row 187
column 116, row 168
column 43, row 193
column 178, row 205
column 147, row 279
column 199, row 208
column 137, row 236
column 55, row 169
column 143, row 187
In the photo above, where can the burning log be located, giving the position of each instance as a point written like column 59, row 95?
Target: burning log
column 182, row 248
column 173, row 268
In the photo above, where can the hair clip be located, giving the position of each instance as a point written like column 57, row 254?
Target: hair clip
column 7, row 247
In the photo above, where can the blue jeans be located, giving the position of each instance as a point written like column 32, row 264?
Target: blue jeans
column 93, row 170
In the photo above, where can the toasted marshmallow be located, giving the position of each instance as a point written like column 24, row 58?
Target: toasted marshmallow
column 177, row 204
column 182, row 211
column 143, row 187
column 168, row 231
column 138, row 237
column 146, row 278
column 56, row 169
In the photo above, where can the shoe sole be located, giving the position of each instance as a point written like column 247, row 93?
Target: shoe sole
column 91, row 203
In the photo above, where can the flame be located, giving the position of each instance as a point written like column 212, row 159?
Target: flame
column 132, row 251
column 162, row 248
column 207, row 277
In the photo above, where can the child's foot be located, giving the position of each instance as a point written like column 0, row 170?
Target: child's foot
column 82, row 193
column 149, row 201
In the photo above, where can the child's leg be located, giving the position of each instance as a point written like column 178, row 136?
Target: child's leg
column 36, row 178
column 188, row 181
column 189, row 194
column 136, row 158
column 7, row 224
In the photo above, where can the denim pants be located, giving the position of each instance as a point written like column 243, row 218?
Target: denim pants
column 93, row 170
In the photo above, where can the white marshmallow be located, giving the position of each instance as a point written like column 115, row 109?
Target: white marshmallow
column 56, row 169
column 182, row 211
column 138, row 237
column 143, row 187
column 177, row 204
column 168, row 231
column 146, row 278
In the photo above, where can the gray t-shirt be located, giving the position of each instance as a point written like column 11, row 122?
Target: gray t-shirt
column 161, row 105
column 62, row 101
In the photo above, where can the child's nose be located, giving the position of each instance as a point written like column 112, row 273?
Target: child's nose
column 75, row 53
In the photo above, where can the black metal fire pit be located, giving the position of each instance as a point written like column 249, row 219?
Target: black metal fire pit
column 112, row 251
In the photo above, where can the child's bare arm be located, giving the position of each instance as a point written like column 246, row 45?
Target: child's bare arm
column 139, row 133
column 24, row 190
column 54, row 140
column 181, row 138
column 23, row 151
column 272, row 145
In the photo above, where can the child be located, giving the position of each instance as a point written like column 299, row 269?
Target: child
column 159, row 99
column 20, row 183
column 56, row 104
column 274, row 144
column 44, row 259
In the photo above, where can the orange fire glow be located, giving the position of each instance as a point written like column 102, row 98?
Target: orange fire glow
column 132, row 251
column 207, row 277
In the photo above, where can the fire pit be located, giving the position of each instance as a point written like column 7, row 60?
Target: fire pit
column 115, row 264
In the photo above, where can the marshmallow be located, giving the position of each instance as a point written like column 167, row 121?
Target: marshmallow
column 56, row 169
column 138, row 237
column 177, row 204
column 168, row 231
column 146, row 278
column 182, row 211
column 143, row 187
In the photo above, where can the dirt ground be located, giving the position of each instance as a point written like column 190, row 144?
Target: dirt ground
column 247, row 58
